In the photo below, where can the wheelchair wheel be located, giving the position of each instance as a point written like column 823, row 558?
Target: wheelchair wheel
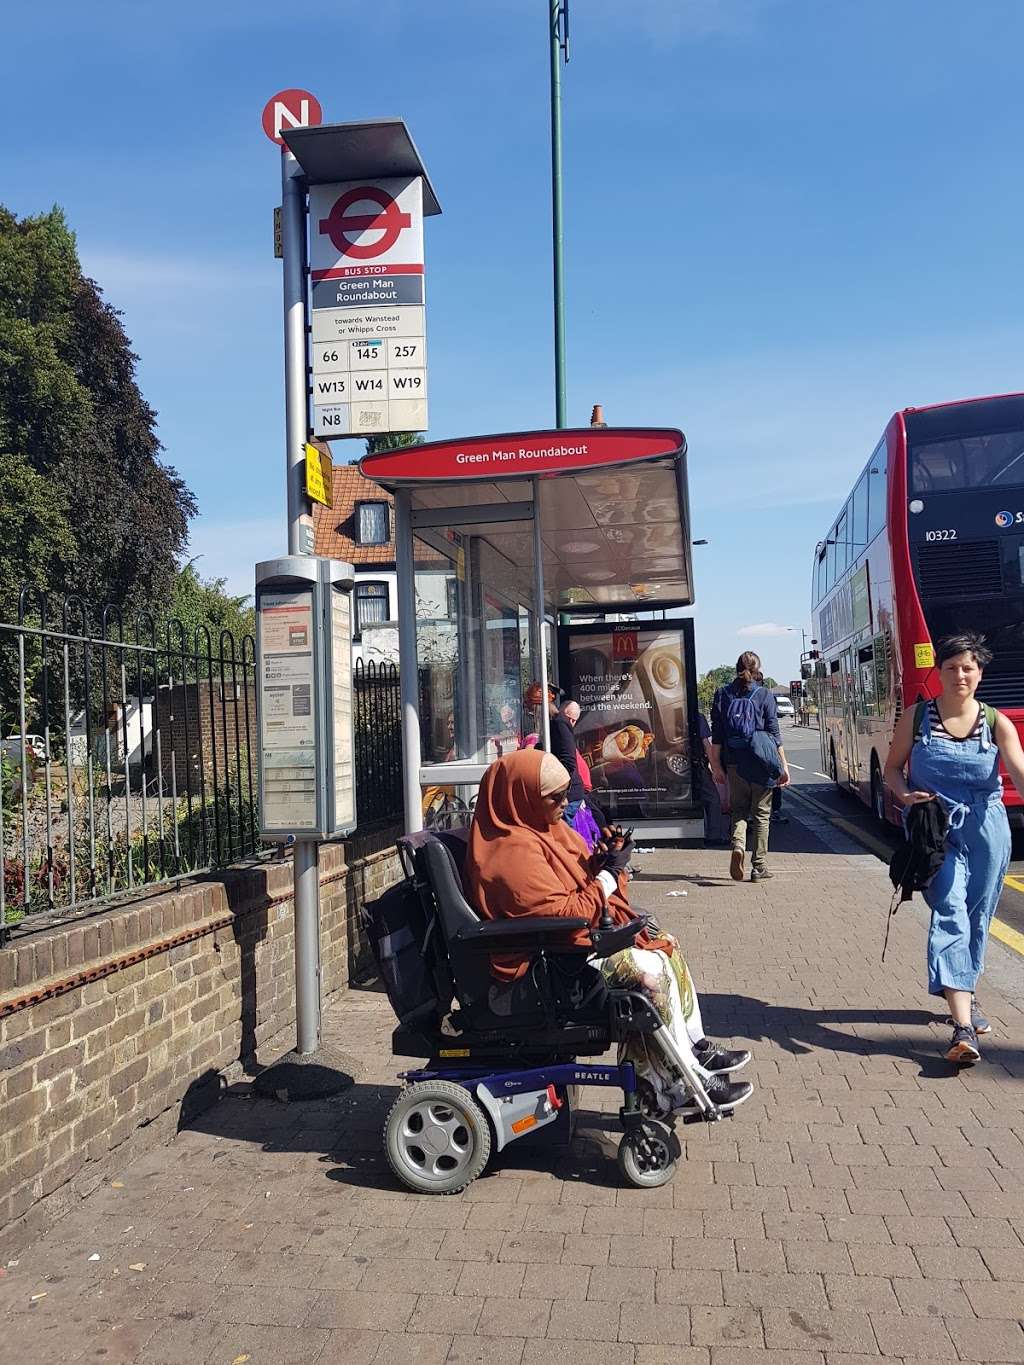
column 437, row 1137
column 647, row 1156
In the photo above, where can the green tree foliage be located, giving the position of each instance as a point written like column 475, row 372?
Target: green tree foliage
column 72, row 416
column 393, row 440
column 36, row 548
column 197, row 601
column 708, row 683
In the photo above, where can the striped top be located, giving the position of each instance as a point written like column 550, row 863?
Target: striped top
column 938, row 725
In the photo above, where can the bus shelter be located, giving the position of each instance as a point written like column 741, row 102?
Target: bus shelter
column 518, row 558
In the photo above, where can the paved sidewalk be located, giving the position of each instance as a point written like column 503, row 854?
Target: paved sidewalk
column 867, row 1202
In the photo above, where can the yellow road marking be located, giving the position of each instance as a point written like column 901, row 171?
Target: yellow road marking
column 1006, row 935
column 877, row 846
column 1012, row 938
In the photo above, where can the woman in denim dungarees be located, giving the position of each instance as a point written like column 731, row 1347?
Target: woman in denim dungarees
column 955, row 759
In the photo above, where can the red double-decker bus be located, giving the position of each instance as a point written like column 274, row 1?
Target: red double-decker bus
column 930, row 542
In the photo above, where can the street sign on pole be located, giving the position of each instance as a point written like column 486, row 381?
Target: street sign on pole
column 290, row 109
column 319, row 475
column 381, row 236
column 367, row 278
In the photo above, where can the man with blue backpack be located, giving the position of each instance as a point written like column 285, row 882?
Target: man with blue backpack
column 747, row 752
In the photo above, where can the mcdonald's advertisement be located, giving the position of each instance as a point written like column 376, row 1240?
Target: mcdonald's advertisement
column 632, row 684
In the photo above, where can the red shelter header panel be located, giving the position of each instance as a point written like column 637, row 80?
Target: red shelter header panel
column 529, row 452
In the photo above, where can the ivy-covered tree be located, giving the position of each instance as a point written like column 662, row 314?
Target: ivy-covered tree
column 71, row 413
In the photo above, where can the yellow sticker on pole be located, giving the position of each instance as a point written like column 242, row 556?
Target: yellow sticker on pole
column 319, row 476
column 924, row 656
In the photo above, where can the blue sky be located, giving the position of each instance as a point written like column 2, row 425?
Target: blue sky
column 784, row 220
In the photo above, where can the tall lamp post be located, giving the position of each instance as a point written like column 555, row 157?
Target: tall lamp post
column 558, row 43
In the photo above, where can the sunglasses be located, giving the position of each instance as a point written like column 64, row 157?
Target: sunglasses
column 556, row 798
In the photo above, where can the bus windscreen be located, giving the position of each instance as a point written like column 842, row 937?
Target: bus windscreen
column 987, row 460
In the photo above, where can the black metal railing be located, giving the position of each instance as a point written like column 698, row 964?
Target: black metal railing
column 377, row 726
column 126, row 753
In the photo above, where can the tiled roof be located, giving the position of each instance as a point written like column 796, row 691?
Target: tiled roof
column 334, row 528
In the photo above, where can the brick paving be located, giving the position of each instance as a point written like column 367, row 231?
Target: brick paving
column 866, row 1203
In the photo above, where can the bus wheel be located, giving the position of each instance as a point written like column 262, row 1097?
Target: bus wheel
column 877, row 792
column 833, row 766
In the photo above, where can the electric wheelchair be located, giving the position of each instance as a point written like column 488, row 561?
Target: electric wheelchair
column 503, row 1065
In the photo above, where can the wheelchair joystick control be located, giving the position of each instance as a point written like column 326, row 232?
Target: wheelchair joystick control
column 614, row 841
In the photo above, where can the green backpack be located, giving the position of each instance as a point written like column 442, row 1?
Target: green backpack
column 919, row 710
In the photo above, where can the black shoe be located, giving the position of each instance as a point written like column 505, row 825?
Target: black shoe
column 722, row 1093
column 964, row 1047
column 721, row 1060
column 759, row 874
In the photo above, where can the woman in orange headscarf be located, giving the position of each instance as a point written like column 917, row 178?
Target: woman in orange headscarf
column 523, row 859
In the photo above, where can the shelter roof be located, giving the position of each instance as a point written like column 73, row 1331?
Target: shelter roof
column 613, row 504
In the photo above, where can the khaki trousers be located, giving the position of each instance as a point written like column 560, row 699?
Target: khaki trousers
column 754, row 803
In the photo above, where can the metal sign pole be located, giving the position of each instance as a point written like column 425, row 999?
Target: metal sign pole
column 296, row 401
column 540, row 611
column 558, row 36
column 408, row 676
column 318, row 159
column 306, row 856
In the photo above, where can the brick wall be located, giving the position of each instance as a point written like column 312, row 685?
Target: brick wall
column 197, row 720
column 111, row 1028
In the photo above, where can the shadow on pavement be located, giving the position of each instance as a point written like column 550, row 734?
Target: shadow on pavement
column 801, row 1031
column 642, row 877
column 344, row 1136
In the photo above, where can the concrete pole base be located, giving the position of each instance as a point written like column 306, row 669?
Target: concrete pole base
column 306, row 1076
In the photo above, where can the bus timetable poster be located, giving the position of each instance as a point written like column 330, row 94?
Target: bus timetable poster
column 634, row 685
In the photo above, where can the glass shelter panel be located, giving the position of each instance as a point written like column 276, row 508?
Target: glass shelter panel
column 439, row 649
column 474, row 639
column 503, row 569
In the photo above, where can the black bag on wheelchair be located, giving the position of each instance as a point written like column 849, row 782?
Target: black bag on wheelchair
column 399, row 929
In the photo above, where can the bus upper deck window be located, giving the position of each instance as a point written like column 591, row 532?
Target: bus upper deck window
column 877, row 490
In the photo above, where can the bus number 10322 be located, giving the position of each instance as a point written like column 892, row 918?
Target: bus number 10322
column 940, row 535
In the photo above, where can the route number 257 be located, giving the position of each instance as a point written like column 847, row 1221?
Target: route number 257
column 404, row 350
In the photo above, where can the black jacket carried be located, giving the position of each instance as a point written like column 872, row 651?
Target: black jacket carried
column 920, row 856
column 563, row 747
